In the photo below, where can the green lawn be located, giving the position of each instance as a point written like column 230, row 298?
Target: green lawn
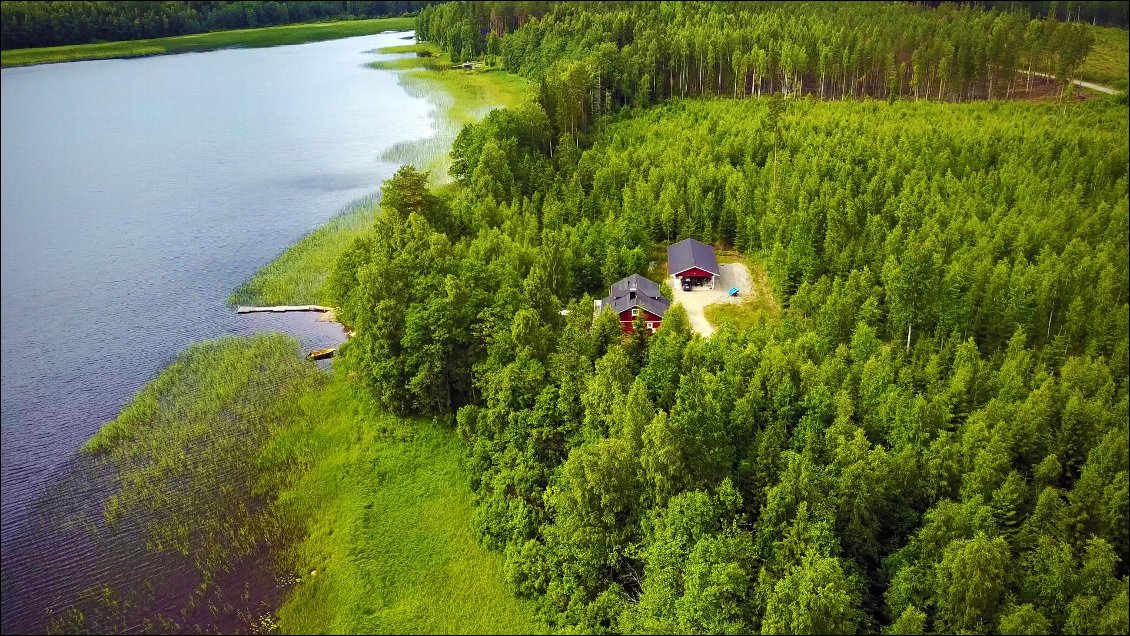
column 389, row 547
column 1109, row 60
column 266, row 36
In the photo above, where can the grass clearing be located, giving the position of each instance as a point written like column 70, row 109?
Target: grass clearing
column 298, row 275
column 239, row 38
column 754, row 307
column 388, row 546
column 1109, row 61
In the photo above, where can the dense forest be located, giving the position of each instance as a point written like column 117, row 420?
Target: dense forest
column 931, row 437
column 35, row 24
column 595, row 57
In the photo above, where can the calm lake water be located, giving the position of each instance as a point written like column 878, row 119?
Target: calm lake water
column 136, row 194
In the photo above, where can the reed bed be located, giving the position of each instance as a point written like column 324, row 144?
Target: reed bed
column 298, row 275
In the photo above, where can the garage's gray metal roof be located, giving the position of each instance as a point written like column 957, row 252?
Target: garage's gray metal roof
column 690, row 253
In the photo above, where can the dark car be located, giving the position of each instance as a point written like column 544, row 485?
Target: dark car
column 687, row 286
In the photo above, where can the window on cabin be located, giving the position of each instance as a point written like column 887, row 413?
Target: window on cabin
column 635, row 311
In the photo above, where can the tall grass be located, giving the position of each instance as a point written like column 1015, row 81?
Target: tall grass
column 388, row 545
column 183, row 453
column 298, row 275
column 248, row 38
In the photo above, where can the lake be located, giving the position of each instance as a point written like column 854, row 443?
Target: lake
column 136, row 195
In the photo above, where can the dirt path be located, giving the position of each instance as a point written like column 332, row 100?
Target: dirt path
column 697, row 300
column 1095, row 87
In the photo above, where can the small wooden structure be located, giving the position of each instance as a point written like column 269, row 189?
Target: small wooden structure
column 281, row 308
column 321, row 354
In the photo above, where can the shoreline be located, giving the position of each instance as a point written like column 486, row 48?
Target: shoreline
column 262, row 37
column 456, row 98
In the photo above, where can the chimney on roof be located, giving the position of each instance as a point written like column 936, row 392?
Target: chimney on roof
column 632, row 291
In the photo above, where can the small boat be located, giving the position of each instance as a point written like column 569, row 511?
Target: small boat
column 321, row 354
column 733, row 291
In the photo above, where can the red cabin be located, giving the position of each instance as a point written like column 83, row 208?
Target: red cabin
column 632, row 295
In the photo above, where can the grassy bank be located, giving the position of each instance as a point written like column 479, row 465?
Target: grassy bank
column 246, row 38
column 1109, row 61
column 459, row 97
column 388, row 547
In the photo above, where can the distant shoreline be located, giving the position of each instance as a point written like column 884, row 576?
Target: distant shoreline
column 239, row 38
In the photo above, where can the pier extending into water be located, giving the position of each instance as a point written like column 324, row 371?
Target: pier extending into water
column 278, row 309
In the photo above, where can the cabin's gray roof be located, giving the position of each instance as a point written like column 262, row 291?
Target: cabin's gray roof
column 644, row 286
column 690, row 253
column 657, row 306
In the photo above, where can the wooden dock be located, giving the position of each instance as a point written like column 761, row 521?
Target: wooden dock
column 321, row 354
column 282, row 308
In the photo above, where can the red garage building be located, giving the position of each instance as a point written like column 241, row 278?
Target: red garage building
column 692, row 260
column 632, row 295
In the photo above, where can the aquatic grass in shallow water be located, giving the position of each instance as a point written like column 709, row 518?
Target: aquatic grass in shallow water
column 262, row 474
column 183, row 452
column 298, row 275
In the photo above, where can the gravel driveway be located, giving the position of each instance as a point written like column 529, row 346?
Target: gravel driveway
column 696, row 301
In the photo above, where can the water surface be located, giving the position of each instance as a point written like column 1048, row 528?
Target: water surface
column 136, row 194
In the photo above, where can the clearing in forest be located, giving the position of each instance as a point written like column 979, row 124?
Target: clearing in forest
column 698, row 299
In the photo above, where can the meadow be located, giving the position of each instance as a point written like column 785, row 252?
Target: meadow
column 1109, row 60
column 240, row 38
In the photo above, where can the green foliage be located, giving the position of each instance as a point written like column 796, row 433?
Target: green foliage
column 947, row 483
column 596, row 58
column 927, row 436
